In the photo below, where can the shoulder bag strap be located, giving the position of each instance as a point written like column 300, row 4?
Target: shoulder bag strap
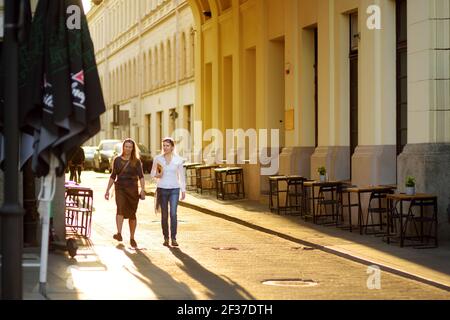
column 123, row 168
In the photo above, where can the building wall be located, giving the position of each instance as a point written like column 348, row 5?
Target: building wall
column 145, row 57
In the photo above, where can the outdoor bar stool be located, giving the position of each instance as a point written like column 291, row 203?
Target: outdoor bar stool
column 191, row 177
column 229, row 178
column 344, row 193
column 328, row 198
column 296, row 196
column 420, row 221
column 207, row 177
column 78, row 212
column 376, row 207
column 275, row 191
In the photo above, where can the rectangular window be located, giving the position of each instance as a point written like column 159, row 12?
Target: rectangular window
column 354, row 39
column 402, row 75
column 316, row 86
column 173, row 115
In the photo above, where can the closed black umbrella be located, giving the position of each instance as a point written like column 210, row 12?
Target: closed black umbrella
column 65, row 99
column 60, row 94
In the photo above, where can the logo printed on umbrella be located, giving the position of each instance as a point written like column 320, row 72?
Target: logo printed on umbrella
column 48, row 97
column 78, row 89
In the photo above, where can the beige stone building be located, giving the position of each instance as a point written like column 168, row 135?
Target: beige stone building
column 361, row 87
column 145, row 57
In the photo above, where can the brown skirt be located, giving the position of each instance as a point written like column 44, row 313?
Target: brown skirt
column 127, row 199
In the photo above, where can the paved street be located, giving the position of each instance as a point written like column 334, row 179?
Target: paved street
column 217, row 259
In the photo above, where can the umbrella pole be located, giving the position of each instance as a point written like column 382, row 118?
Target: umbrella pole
column 11, row 213
column 44, row 248
column 45, row 198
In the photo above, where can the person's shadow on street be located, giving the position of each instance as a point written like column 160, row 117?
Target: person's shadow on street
column 160, row 282
column 220, row 287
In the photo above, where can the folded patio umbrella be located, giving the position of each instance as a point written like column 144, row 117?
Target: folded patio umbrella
column 64, row 99
column 61, row 101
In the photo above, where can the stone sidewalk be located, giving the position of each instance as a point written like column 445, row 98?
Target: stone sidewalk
column 430, row 266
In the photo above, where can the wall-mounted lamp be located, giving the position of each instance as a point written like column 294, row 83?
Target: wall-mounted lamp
column 287, row 68
column 207, row 14
column 173, row 115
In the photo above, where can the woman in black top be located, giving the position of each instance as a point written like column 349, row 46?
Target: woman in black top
column 127, row 170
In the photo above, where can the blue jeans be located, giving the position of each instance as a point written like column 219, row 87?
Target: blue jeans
column 169, row 196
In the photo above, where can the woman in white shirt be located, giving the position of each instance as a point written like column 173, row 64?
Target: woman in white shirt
column 169, row 171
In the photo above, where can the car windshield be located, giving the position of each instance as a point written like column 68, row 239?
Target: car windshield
column 89, row 150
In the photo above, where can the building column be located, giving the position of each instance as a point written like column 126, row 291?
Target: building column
column 330, row 153
column 427, row 154
column 374, row 160
column 295, row 156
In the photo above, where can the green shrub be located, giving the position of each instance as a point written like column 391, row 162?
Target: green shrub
column 410, row 182
column 322, row 171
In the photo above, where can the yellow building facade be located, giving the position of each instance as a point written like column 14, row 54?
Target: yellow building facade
column 361, row 87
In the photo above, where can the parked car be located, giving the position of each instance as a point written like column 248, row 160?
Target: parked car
column 89, row 157
column 146, row 157
column 103, row 154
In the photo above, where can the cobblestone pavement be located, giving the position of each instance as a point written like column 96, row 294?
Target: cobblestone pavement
column 217, row 259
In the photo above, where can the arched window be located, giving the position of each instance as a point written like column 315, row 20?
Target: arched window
column 192, row 53
column 169, row 62
column 156, row 70
column 162, row 61
column 183, row 56
column 154, row 66
column 145, row 73
column 135, row 78
column 149, row 70
column 128, row 80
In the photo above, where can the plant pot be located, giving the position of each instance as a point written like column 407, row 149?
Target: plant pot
column 323, row 178
column 410, row 191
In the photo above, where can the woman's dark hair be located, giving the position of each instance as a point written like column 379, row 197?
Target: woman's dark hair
column 134, row 153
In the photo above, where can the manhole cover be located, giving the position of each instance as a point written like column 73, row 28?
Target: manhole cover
column 226, row 248
column 291, row 283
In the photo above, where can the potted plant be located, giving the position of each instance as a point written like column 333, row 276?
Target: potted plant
column 410, row 186
column 322, row 172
